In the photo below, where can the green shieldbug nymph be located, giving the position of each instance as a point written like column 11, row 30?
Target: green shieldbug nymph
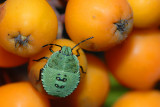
column 60, row 76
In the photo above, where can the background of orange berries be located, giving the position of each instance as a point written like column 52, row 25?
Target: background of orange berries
column 121, row 72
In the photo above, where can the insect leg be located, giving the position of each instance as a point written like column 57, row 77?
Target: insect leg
column 41, row 59
column 82, row 69
column 78, row 54
column 40, row 74
column 50, row 48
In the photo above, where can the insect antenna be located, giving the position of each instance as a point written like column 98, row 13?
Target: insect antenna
column 82, row 42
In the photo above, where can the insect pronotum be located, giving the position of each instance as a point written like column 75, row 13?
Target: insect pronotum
column 60, row 76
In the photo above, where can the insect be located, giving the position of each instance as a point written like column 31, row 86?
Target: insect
column 60, row 76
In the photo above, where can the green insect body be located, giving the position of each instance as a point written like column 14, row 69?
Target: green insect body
column 61, row 74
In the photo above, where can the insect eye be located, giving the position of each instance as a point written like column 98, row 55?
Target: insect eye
column 57, row 85
column 58, row 78
column 65, row 79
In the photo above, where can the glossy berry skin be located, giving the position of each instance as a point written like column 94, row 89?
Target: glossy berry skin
column 61, row 74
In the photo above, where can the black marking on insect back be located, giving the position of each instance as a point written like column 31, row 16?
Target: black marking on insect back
column 62, row 86
column 64, row 79
column 58, row 78
column 61, row 79
column 21, row 40
column 57, row 85
column 121, row 26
